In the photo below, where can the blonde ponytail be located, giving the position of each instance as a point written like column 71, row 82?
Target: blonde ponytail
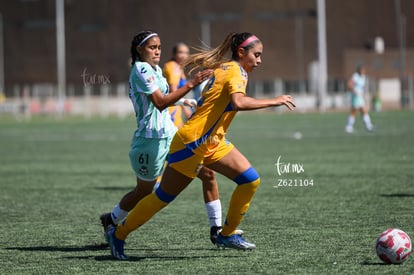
column 210, row 58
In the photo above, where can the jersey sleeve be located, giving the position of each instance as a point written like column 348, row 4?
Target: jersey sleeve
column 147, row 77
column 354, row 78
column 237, row 81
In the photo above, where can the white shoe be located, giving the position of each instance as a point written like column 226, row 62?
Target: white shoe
column 370, row 128
column 349, row 129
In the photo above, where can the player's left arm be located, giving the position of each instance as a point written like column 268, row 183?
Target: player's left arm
column 241, row 102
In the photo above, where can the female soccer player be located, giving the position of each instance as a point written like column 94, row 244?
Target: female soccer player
column 202, row 141
column 173, row 69
column 149, row 93
column 357, row 85
column 174, row 73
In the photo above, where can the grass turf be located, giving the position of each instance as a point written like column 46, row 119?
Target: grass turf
column 57, row 176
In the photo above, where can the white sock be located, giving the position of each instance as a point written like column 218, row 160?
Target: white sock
column 351, row 121
column 214, row 212
column 118, row 215
column 367, row 121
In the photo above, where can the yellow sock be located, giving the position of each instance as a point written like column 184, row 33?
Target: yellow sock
column 142, row 212
column 239, row 203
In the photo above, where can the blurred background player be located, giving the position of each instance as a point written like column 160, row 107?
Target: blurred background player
column 356, row 85
column 174, row 73
column 202, row 141
column 176, row 78
column 150, row 96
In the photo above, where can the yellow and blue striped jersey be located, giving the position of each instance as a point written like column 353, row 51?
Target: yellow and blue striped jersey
column 174, row 74
column 208, row 125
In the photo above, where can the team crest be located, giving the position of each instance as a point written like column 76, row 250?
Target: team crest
column 143, row 171
column 150, row 79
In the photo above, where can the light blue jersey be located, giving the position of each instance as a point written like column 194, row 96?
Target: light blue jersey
column 359, row 83
column 143, row 81
column 357, row 98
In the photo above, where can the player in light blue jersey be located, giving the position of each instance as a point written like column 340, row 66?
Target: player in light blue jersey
column 150, row 96
column 356, row 86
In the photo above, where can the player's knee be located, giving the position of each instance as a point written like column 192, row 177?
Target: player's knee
column 207, row 175
column 250, row 176
column 163, row 196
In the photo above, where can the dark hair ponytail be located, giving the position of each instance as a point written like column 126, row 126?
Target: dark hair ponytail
column 136, row 41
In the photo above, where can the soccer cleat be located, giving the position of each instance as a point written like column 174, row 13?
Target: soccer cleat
column 106, row 221
column 349, row 129
column 116, row 245
column 239, row 232
column 234, row 241
column 370, row 128
column 215, row 230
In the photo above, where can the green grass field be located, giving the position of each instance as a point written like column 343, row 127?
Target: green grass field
column 57, row 176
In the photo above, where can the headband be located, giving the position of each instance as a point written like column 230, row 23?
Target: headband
column 146, row 38
column 248, row 41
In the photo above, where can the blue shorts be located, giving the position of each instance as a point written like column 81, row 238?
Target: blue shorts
column 148, row 155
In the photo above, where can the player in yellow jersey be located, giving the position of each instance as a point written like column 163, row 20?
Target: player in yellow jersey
column 173, row 70
column 176, row 78
column 174, row 73
column 202, row 141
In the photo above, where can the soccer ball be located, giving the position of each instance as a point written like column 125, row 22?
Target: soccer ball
column 393, row 246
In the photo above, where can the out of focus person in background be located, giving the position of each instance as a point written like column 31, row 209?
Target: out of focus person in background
column 356, row 85
column 173, row 69
column 174, row 73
